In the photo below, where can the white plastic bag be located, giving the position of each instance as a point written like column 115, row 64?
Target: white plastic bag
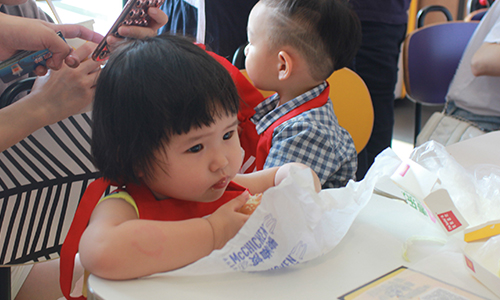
column 474, row 191
column 293, row 224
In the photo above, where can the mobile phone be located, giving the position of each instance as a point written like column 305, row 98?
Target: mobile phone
column 134, row 13
column 24, row 62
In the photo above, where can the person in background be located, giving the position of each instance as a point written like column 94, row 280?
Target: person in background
column 474, row 90
column 59, row 94
column 383, row 24
column 294, row 46
column 219, row 24
column 180, row 190
column 67, row 89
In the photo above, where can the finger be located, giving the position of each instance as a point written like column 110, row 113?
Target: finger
column 113, row 41
column 78, row 31
column 241, row 200
column 136, row 32
column 158, row 18
column 60, row 50
column 80, row 54
column 90, row 66
column 72, row 60
column 40, row 70
column 59, row 53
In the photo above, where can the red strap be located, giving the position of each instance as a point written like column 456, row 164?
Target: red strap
column 69, row 248
column 266, row 138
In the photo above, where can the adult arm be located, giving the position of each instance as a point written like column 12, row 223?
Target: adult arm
column 31, row 34
column 486, row 60
column 54, row 97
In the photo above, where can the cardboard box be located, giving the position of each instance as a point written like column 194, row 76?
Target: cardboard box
column 483, row 271
column 421, row 189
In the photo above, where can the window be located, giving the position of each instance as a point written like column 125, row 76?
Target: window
column 103, row 12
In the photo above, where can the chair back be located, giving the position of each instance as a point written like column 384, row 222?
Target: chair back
column 42, row 179
column 238, row 59
column 352, row 104
column 430, row 58
column 422, row 14
column 476, row 15
column 12, row 91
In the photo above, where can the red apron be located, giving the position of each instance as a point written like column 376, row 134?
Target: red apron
column 266, row 138
column 149, row 209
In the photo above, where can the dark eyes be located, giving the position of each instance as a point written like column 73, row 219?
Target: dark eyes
column 199, row 147
column 228, row 135
column 196, row 148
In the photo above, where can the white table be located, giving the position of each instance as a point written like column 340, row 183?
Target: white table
column 372, row 247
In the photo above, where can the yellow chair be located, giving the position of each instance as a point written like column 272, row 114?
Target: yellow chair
column 352, row 104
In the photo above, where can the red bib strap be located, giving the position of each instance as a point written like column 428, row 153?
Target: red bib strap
column 69, row 248
column 149, row 208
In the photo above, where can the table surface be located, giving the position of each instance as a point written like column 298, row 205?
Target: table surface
column 372, row 247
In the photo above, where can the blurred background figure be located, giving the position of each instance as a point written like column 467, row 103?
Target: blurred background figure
column 219, row 24
column 383, row 24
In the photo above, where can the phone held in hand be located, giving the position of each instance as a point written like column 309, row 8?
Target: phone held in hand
column 24, row 62
column 133, row 14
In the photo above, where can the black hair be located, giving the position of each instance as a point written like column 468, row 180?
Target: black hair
column 150, row 90
column 327, row 33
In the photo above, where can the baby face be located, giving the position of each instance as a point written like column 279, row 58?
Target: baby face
column 260, row 59
column 199, row 165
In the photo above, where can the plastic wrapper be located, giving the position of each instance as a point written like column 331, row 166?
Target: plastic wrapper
column 293, row 224
column 474, row 191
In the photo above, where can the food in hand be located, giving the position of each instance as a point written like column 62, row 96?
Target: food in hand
column 251, row 205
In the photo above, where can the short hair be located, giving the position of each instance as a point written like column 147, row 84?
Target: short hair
column 327, row 33
column 150, row 90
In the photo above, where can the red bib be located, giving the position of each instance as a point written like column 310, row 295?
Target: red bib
column 266, row 138
column 149, row 208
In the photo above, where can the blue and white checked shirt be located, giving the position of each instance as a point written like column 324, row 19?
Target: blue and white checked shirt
column 313, row 138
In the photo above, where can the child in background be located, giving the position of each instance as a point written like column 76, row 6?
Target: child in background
column 294, row 46
column 165, row 130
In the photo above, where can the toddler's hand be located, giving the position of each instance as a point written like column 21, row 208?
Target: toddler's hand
column 227, row 221
column 284, row 171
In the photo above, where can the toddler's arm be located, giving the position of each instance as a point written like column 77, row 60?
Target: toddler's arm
column 260, row 181
column 117, row 245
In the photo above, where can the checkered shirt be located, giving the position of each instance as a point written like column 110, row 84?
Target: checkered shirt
column 313, row 138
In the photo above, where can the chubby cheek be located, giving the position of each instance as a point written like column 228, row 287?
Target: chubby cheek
column 236, row 155
column 257, row 71
column 249, row 64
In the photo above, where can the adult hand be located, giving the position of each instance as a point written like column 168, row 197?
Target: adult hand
column 31, row 34
column 158, row 19
column 68, row 91
column 54, row 97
